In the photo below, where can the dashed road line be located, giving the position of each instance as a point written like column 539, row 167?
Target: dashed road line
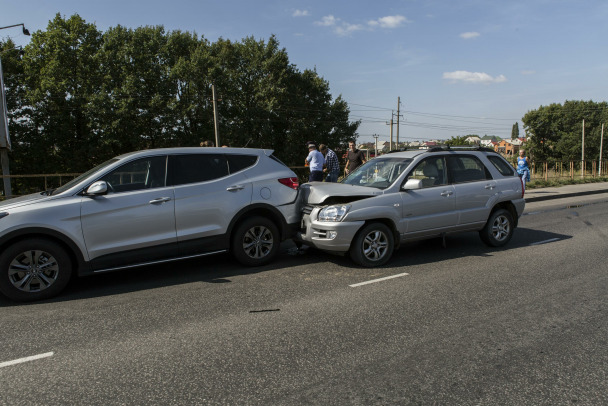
column 378, row 280
column 545, row 241
column 26, row 359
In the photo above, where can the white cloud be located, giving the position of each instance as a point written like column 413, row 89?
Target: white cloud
column 388, row 22
column 346, row 29
column 469, row 35
column 327, row 21
column 473, row 77
column 300, row 13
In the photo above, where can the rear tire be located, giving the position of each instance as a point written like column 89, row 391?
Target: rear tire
column 34, row 269
column 373, row 245
column 255, row 241
column 499, row 228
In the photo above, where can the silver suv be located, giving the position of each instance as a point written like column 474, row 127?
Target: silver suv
column 413, row 195
column 148, row 207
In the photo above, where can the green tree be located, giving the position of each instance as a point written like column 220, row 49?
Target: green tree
column 555, row 131
column 80, row 96
column 458, row 141
column 515, row 131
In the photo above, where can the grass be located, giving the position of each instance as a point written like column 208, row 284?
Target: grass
column 541, row 183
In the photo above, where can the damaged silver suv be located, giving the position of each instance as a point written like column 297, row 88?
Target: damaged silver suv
column 413, row 195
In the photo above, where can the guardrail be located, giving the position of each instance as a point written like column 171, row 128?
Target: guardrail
column 25, row 184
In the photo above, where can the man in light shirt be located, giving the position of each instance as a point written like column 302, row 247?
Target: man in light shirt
column 315, row 161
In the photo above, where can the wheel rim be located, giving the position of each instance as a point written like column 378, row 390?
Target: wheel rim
column 33, row 271
column 375, row 245
column 258, row 242
column 501, row 228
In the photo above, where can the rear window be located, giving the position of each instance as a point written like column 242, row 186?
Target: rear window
column 197, row 168
column 503, row 167
column 237, row 163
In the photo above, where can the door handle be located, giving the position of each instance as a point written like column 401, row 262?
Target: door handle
column 490, row 187
column 446, row 193
column 160, row 200
column 235, row 188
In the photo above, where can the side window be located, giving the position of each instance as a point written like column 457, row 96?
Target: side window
column 145, row 173
column 197, row 168
column 237, row 163
column 467, row 168
column 431, row 171
column 503, row 166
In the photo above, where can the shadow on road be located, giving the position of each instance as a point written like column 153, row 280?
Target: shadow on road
column 220, row 268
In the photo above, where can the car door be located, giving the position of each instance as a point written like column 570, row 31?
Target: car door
column 207, row 197
column 474, row 187
column 134, row 222
column 432, row 209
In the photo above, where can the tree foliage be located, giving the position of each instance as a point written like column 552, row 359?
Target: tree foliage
column 458, row 141
column 515, row 131
column 555, row 131
column 79, row 96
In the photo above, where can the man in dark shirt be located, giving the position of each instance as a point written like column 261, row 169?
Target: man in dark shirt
column 354, row 158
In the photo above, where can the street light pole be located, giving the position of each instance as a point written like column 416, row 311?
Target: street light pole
column 5, row 141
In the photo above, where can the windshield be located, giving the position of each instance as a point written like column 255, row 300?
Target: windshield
column 379, row 173
column 88, row 173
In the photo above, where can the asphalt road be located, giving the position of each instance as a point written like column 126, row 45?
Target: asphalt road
column 461, row 325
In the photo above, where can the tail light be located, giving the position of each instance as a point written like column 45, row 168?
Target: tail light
column 293, row 183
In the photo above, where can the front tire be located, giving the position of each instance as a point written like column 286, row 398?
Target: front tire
column 256, row 241
column 33, row 270
column 499, row 228
column 373, row 245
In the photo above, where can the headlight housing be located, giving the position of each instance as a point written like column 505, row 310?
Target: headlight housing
column 334, row 213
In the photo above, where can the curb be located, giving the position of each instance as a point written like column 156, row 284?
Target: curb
column 563, row 195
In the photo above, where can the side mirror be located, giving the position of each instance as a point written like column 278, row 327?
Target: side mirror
column 412, row 184
column 97, row 188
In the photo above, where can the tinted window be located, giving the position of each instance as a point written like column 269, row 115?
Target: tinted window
column 431, row 171
column 239, row 162
column 197, row 168
column 144, row 173
column 467, row 168
column 503, row 166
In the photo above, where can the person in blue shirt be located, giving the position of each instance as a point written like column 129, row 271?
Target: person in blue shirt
column 315, row 161
column 523, row 169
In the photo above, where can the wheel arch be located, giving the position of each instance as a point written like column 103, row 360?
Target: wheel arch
column 263, row 210
column 64, row 241
column 387, row 222
column 510, row 207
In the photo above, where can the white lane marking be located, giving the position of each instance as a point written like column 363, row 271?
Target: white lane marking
column 26, row 359
column 378, row 280
column 544, row 242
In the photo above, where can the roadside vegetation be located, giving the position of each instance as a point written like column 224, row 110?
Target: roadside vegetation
column 78, row 96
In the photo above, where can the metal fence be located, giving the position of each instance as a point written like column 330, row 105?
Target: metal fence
column 546, row 171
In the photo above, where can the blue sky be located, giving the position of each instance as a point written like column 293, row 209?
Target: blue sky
column 459, row 67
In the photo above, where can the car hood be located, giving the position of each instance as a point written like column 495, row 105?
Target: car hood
column 23, row 200
column 322, row 192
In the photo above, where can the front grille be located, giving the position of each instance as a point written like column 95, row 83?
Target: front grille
column 307, row 209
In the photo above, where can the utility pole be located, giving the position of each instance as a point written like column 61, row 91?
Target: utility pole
column 376, row 143
column 599, row 171
column 398, row 107
column 217, row 135
column 583, row 153
column 391, row 132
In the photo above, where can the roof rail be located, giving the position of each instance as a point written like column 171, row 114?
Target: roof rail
column 461, row 148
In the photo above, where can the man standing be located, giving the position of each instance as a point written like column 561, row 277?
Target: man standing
column 332, row 166
column 315, row 160
column 354, row 158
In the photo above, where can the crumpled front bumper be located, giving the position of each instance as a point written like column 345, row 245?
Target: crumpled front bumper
column 327, row 236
